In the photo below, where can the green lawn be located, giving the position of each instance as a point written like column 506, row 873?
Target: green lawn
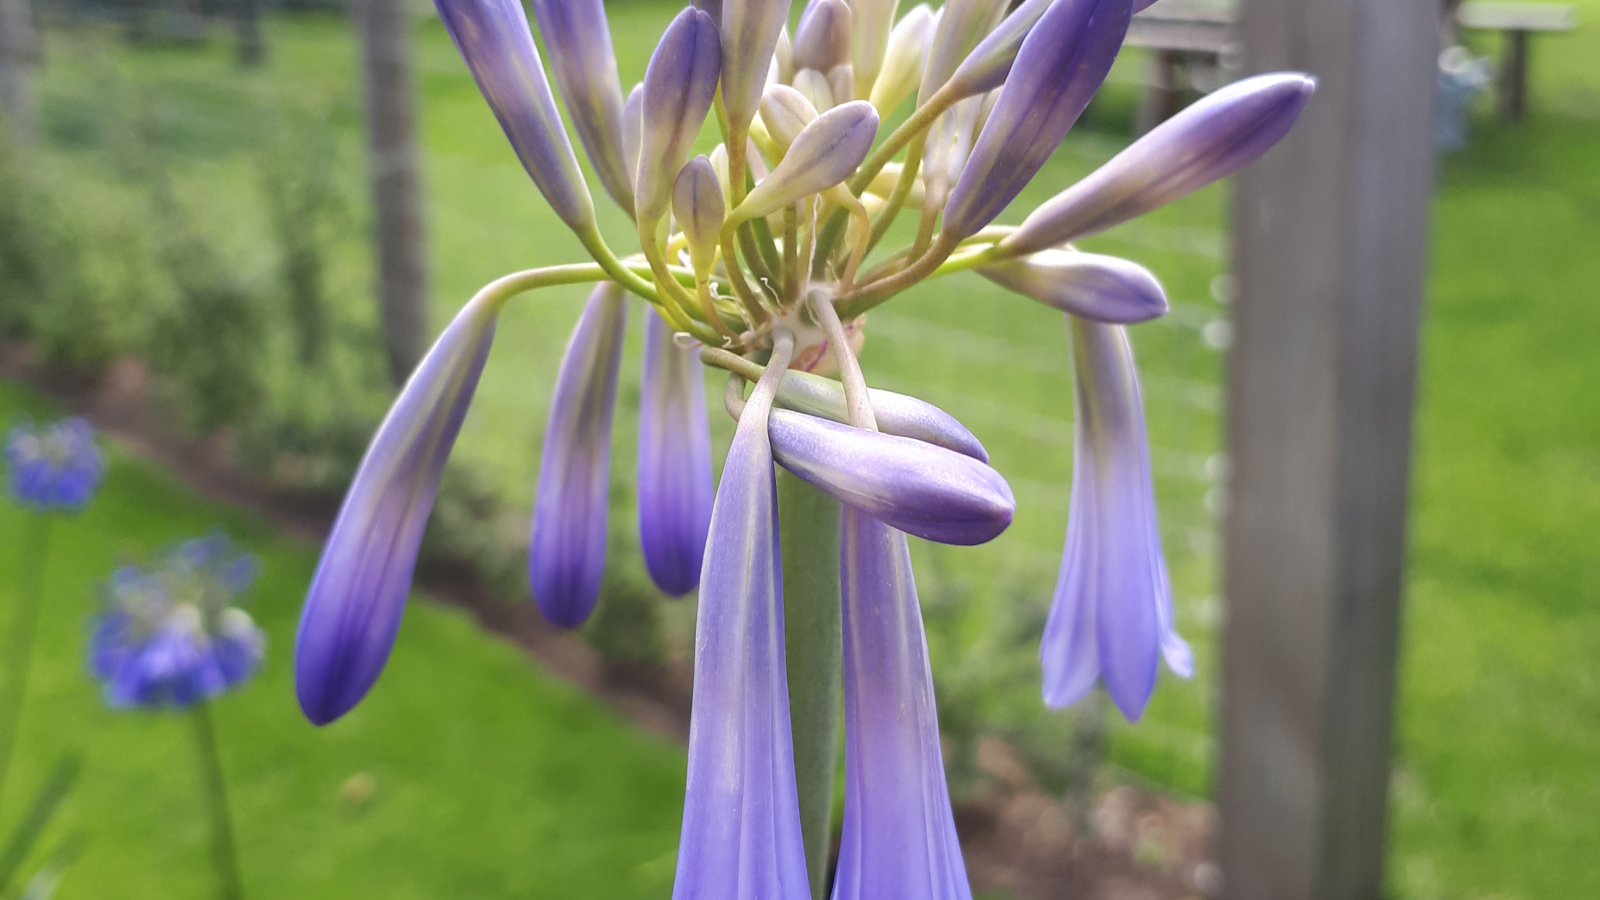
column 491, row 778
column 1500, row 712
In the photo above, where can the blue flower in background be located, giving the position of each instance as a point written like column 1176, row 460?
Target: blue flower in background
column 53, row 467
column 171, row 635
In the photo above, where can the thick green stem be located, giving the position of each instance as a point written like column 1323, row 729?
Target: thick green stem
column 223, row 853
column 808, row 528
column 34, row 547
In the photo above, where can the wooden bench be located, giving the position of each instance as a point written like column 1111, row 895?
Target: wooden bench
column 1517, row 21
column 1180, row 33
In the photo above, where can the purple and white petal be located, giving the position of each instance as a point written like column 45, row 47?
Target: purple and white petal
column 675, row 485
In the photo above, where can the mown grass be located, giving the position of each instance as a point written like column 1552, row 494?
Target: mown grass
column 1500, row 704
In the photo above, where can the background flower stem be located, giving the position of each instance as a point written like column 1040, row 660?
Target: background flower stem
column 808, row 529
column 224, row 856
column 35, row 546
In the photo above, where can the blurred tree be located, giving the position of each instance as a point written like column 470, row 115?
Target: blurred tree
column 384, row 28
column 16, row 63
column 252, row 49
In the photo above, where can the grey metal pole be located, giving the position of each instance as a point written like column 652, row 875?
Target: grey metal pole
column 1329, row 254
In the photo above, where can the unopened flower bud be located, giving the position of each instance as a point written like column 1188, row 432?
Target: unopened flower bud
column 1088, row 285
column 814, row 86
column 785, row 112
column 874, row 20
column 579, row 42
column 824, row 154
column 901, row 70
column 1211, row 139
column 699, row 207
column 750, row 30
column 822, row 40
column 678, row 86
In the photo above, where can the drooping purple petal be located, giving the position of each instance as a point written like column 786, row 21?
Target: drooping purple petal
column 678, row 86
column 899, row 837
column 1211, row 139
column 353, row 609
column 1112, row 615
column 1087, row 285
column 494, row 39
column 675, row 488
column 741, row 811
column 567, row 554
column 1063, row 61
column 899, row 414
column 579, row 42
column 914, row 486
column 749, row 31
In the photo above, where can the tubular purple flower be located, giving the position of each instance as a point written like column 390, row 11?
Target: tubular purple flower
column 987, row 66
column 919, row 488
column 675, row 487
column 1087, row 285
column 822, row 39
column 897, row 414
column 750, row 31
column 353, row 608
column 824, row 154
column 678, row 86
column 874, row 21
column 579, row 42
column 567, row 554
column 899, row 837
column 1062, row 62
column 494, row 39
column 1112, row 614
column 1209, row 140
column 741, row 813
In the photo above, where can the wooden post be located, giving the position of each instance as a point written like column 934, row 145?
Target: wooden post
column 17, row 53
column 1514, row 76
column 385, row 31
column 1329, row 248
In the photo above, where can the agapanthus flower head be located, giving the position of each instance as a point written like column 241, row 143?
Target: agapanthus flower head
column 757, row 258
column 172, row 635
column 53, row 467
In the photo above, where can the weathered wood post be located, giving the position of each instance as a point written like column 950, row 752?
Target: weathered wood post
column 1330, row 240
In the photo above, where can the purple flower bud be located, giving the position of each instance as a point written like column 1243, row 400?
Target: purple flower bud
column 675, row 488
column 494, row 39
column 352, row 611
column 901, row 71
column 54, row 467
column 874, row 21
column 962, row 25
column 822, row 39
column 1112, row 615
column 678, row 86
column 579, row 41
column 899, row 837
column 1087, row 285
column 1062, row 62
column 919, row 488
column 741, row 810
column 699, row 207
column 897, row 414
column 713, row 8
column 750, row 31
column 825, row 153
column 567, row 555
column 987, row 66
column 1211, row 139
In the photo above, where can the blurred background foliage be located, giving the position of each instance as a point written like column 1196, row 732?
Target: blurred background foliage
column 213, row 222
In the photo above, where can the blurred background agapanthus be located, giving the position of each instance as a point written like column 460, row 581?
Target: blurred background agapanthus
column 227, row 230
